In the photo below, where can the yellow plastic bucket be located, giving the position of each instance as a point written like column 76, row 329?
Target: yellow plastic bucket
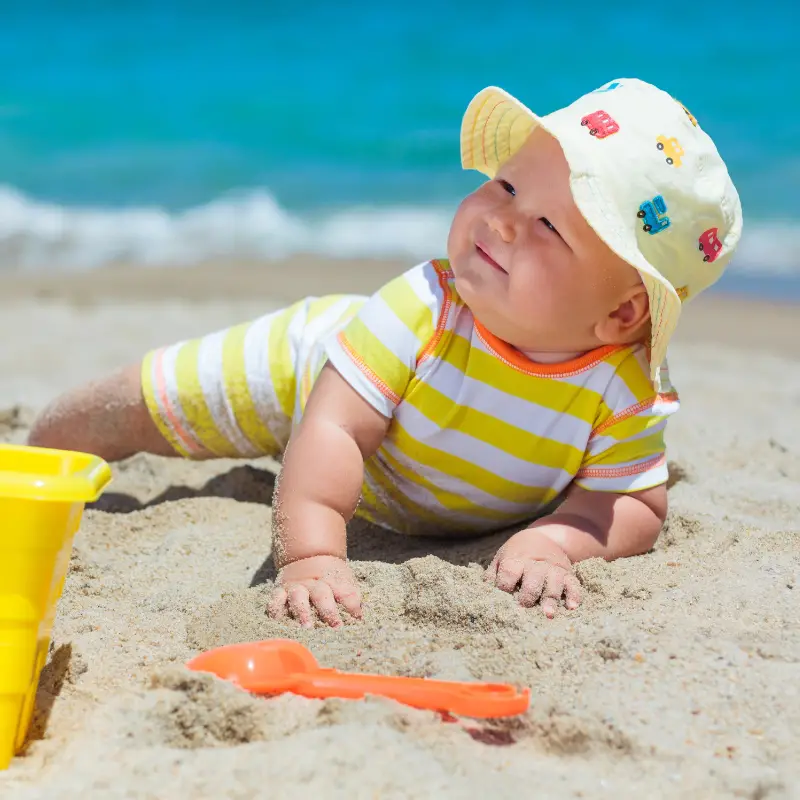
column 42, row 496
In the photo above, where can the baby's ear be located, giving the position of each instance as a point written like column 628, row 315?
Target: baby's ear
column 626, row 323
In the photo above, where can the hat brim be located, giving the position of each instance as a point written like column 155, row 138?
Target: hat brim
column 494, row 128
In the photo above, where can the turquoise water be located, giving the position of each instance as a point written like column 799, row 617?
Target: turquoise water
column 166, row 132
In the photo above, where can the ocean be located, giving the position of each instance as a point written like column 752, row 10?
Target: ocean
column 163, row 133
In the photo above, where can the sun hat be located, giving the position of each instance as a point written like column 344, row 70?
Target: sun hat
column 645, row 176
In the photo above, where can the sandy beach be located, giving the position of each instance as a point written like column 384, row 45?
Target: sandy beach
column 678, row 677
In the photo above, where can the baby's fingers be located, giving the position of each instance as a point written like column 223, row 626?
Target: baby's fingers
column 572, row 590
column 553, row 589
column 532, row 583
column 277, row 603
column 321, row 596
column 299, row 605
column 509, row 573
column 346, row 593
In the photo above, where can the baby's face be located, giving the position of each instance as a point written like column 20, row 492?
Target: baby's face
column 527, row 263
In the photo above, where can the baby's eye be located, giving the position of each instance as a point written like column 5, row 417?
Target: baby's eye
column 550, row 225
column 507, row 186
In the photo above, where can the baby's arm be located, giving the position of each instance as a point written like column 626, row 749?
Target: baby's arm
column 606, row 524
column 588, row 524
column 317, row 494
column 615, row 505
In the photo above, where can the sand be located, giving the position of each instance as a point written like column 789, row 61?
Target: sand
column 679, row 676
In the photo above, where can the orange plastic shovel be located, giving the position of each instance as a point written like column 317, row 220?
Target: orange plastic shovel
column 282, row 665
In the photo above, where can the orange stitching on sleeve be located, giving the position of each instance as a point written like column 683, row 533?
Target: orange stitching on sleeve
column 369, row 373
column 632, row 411
column 444, row 277
column 621, row 472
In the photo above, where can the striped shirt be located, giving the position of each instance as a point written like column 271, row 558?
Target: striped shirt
column 480, row 437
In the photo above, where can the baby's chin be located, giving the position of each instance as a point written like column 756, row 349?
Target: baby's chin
column 477, row 283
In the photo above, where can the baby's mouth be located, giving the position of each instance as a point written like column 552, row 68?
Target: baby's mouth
column 483, row 252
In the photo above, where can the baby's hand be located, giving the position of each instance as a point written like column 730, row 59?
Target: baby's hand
column 540, row 568
column 319, row 582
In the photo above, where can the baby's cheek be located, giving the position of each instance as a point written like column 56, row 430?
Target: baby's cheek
column 530, row 310
column 530, row 288
column 459, row 229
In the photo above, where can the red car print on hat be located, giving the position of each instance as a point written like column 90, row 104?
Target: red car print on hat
column 710, row 244
column 600, row 124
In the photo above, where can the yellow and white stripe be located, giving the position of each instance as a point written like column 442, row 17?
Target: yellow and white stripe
column 237, row 392
column 479, row 438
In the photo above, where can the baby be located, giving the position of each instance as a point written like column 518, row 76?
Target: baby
column 518, row 384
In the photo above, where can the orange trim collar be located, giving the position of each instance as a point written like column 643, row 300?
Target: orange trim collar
column 514, row 358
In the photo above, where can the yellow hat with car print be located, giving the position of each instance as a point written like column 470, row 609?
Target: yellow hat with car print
column 645, row 176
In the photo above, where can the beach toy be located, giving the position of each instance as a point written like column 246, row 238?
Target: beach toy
column 275, row 666
column 42, row 496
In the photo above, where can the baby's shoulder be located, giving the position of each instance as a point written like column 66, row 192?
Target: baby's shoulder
column 423, row 294
column 627, row 383
column 434, row 281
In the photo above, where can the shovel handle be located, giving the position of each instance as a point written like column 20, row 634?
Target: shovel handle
column 468, row 699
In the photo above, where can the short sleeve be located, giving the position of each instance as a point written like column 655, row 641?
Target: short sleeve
column 626, row 451
column 377, row 351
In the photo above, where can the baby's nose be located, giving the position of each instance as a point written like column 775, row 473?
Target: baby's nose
column 502, row 223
